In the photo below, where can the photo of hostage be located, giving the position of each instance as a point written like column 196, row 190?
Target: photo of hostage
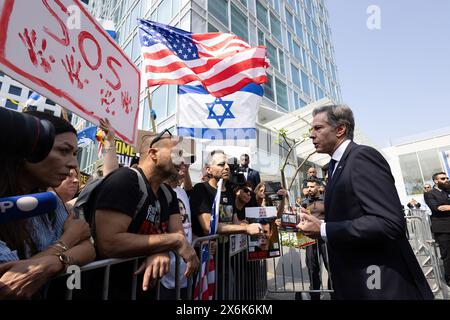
column 264, row 238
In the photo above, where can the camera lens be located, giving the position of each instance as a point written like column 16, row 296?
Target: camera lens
column 24, row 135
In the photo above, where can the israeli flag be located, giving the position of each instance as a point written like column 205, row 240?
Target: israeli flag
column 86, row 137
column 231, row 117
column 35, row 99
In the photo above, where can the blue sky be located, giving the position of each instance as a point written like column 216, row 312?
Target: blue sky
column 396, row 79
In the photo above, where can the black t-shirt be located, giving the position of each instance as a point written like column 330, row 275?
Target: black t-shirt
column 120, row 192
column 201, row 202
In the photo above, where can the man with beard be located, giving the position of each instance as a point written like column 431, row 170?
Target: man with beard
column 438, row 200
column 156, row 228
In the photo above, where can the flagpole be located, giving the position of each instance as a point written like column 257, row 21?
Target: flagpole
column 151, row 113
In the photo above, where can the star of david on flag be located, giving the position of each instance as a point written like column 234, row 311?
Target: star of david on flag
column 232, row 117
column 226, row 113
column 222, row 62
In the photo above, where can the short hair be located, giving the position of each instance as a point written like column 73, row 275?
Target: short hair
column 245, row 155
column 211, row 155
column 313, row 180
column 436, row 174
column 337, row 115
column 61, row 125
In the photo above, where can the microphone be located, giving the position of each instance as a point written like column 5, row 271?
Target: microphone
column 26, row 206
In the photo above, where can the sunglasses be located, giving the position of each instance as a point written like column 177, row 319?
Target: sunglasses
column 247, row 191
column 160, row 136
column 443, row 179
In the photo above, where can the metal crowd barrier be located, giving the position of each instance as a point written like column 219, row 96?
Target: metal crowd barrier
column 300, row 271
column 425, row 248
column 236, row 278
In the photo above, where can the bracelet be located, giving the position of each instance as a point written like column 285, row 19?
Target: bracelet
column 60, row 244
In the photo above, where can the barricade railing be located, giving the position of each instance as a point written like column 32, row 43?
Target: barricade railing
column 236, row 278
column 303, row 271
column 425, row 248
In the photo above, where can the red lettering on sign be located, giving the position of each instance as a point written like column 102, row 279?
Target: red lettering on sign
column 86, row 35
column 109, row 61
column 65, row 41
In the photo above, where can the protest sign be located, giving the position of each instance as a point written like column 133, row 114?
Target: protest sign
column 266, row 245
column 59, row 50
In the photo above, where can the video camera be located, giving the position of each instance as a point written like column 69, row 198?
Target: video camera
column 237, row 177
column 25, row 136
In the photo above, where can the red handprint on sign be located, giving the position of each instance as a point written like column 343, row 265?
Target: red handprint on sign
column 126, row 102
column 106, row 95
column 29, row 40
column 73, row 70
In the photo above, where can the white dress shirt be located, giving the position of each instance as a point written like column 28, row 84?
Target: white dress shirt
column 337, row 155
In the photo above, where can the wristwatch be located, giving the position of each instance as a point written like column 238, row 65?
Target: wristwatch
column 65, row 260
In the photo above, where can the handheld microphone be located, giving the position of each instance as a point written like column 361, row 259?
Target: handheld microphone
column 26, row 206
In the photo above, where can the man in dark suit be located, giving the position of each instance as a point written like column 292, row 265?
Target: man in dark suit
column 438, row 200
column 364, row 228
column 251, row 175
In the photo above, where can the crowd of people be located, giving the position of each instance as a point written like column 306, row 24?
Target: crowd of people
column 153, row 211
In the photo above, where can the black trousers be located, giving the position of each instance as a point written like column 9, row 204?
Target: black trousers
column 313, row 254
column 443, row 240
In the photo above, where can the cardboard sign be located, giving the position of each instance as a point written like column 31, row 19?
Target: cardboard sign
column 266, row 245
column 58, row 49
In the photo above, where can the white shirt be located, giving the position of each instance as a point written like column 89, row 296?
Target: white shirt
column 337, row 155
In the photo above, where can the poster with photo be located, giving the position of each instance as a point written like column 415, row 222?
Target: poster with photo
column 266, row 245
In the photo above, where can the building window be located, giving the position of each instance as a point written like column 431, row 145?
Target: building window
column 281, row 94
column 50, row 102
column 15, row 90
column 164, row 12
column 297, row 52
column 159, row 102
column 305, row 83
column 275, row 27
column 261, row 40
column 295, row 76
column 211, row 28
column 261, row 14
column 268, row 88
column 429, row 163
column 411, row 173
column 289, row 19
column 219, row 9
column 239, row 24
column 272, row 52
column 10, row 105
column 299, row 30
column 281, row 57
column 172, row 100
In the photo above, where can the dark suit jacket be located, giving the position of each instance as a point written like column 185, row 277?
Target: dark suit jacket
column 440, row 220
column 366, row 227
column 253, row 177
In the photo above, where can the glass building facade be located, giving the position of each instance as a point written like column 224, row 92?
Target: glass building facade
column 296, row 33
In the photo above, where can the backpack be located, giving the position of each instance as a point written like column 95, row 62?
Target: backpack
column 84, row 206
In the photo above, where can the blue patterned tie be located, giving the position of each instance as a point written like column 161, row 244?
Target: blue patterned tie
column 331, row 166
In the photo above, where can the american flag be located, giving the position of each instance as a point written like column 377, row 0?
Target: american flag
column 222, row 62
column 204, row 288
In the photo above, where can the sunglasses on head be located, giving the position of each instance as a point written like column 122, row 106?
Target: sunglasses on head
column 160, row 136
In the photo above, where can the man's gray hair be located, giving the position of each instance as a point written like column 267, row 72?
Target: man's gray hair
column 211, row 154
column 337, row 115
